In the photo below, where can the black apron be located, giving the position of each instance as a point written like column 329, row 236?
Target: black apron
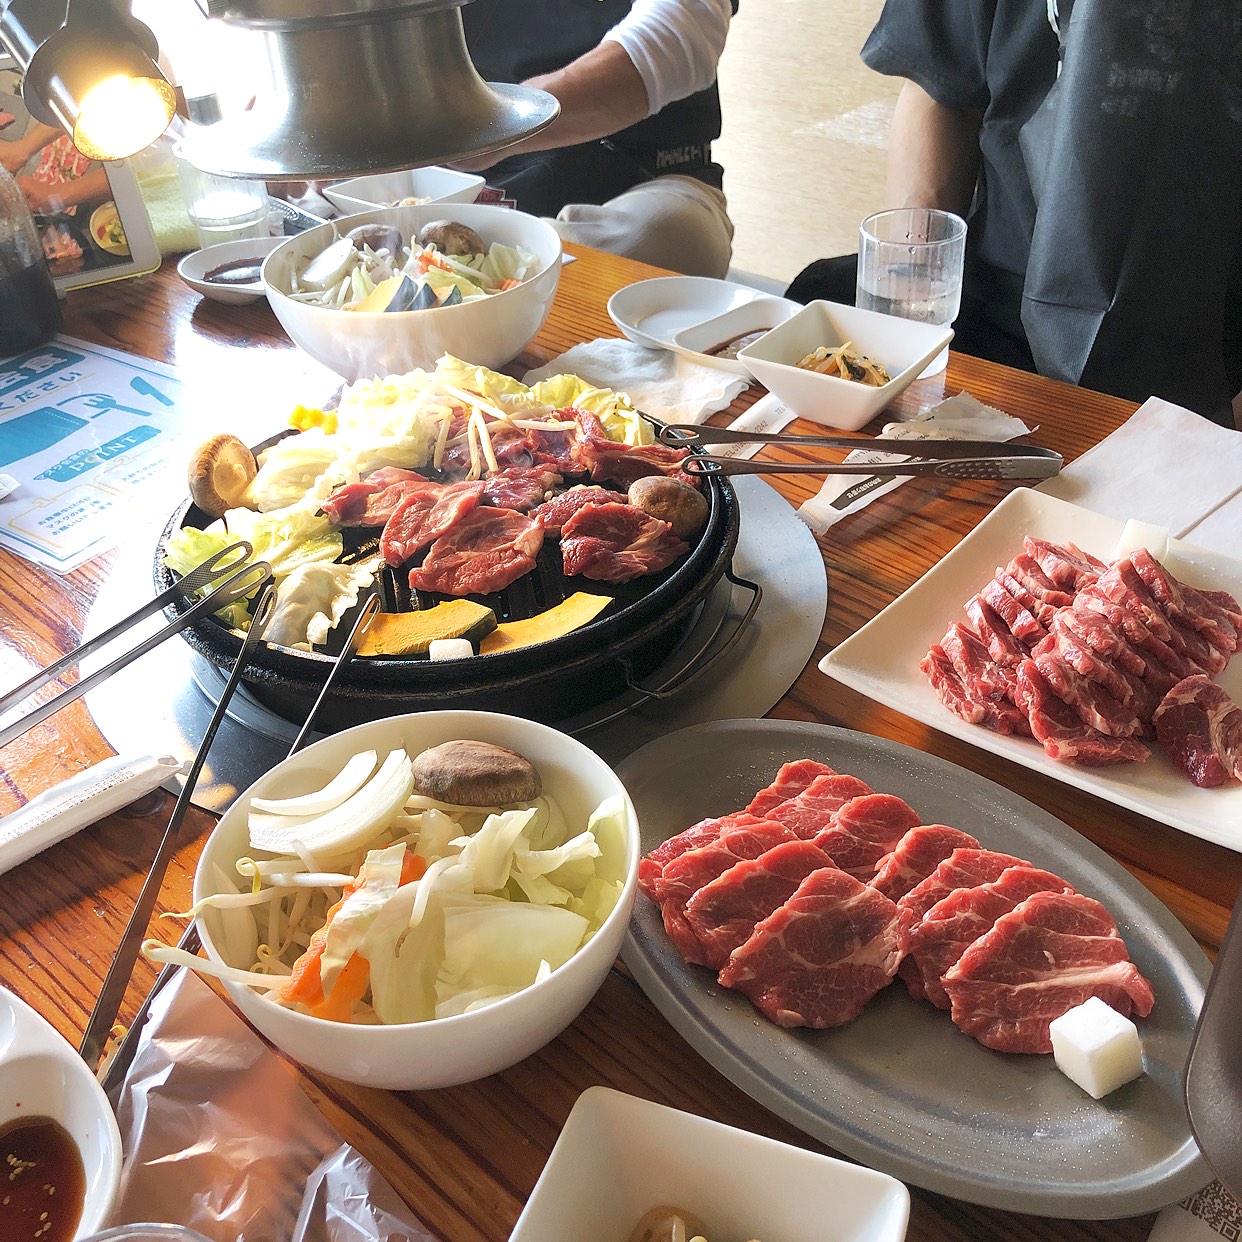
column 512, row 40
column 1141, row 136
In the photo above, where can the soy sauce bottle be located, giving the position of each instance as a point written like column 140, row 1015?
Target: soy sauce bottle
column 29, row 310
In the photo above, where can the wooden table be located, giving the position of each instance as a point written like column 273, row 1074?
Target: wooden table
column 466, row 1158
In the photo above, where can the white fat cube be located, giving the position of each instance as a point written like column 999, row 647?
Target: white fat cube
column 450, row 649
column 1096, row 1047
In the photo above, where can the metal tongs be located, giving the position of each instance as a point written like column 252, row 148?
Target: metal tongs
column 954, row 459
column 108, row 1005
column 239, row 578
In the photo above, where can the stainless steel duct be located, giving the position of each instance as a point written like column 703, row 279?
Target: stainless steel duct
column 358, row 86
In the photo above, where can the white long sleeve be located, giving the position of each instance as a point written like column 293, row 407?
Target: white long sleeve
column 675, row 45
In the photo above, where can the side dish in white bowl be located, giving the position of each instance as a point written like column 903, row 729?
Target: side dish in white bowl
column 419, row 901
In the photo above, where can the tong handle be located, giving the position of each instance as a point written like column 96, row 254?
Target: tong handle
column 964, row 468
column 215, row 566
column 240, row 583
column 115, row 983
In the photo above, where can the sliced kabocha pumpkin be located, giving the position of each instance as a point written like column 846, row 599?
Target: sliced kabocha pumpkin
column 567, row 616
column 412, row 633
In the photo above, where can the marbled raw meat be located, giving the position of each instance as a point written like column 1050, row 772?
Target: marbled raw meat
column 723, row 913
column 652, row 865
column 1060, row 730
column 981, row 676
column 557, row 511
column 1003, row 647
column 608, row 461
column 956, row 921
column 1090, row 700
column 686, row 874
column 820, row 957
column 1200, row 728
column 1030, row 573
column 1040, row 609
column 424, row 515
column 1022, row 625
column 1067, row 566
column 811, row 811
column 789, row 782
column 616, row 543
column 991, row 711
column 863, row 830
column 1217, row 624
column 1047, row 955
column 964, row 868
column 1064, row 643
column 916, row 856
column 485, row 552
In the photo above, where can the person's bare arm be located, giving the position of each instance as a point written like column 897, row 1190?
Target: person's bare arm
column 16, row 154
column 933, row 153
column 600, row 93
column 42, row 197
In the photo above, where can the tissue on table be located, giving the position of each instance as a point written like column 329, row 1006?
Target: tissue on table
column 657, row 381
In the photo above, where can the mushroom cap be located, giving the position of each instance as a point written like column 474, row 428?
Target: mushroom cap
column 451, row 237
column 683, row 507
column 220, row 471
column 476, row 774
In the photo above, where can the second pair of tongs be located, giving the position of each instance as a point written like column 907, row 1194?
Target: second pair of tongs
column 237, row 577
column 954, row 459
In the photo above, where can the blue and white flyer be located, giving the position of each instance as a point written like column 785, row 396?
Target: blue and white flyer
column 93, row 446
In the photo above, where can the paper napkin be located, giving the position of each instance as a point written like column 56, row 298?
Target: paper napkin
column 1167, row 466
column 658, row 382
column 1209, row 1216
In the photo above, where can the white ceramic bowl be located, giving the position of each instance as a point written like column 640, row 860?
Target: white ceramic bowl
column 435, row 184
column 452, row 1050
column 620, row 1156
column 195, row 265
column 902, row 346
column 360, row 344
column 42, row 1076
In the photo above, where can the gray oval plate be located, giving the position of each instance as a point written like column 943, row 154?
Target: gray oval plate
column 900, row 1088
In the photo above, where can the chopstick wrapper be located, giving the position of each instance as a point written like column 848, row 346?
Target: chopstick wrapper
column 218, row 1136
column 658, row 381
column 1209, row 1216
column 81, row 800
column 960, row 417
column 1166, row 466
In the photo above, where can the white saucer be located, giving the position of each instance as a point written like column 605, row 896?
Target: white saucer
column 654, row 312
column 195, row 265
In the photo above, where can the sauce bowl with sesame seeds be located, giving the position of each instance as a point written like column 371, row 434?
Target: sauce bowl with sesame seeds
column 45, row 1083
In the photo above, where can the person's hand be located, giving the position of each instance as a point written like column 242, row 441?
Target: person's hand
column 41, row 198
column 12, row 156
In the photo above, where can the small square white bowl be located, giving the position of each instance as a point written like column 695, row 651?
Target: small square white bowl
column 431, row 184
column 619, row 1156
column 902, row 346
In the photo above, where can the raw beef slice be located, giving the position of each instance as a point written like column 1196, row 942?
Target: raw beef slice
column 685, row 875
column 651, row 867
column 790, row 781
column 812, row 810
column 916, row 856
column 819, row 958
column 723, row 914
column 863, row 830
column 955, row 922
column 1048, row 954
column 1200, row 728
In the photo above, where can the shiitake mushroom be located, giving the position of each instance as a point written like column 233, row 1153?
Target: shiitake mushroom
column 476, row 774
column 377, row 236
column 683, row 507
column 451, row 237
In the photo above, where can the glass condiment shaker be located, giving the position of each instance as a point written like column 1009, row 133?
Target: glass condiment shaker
column 29, row 310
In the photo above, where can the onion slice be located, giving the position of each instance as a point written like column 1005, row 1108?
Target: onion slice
column 347, row 826
column 343, row 785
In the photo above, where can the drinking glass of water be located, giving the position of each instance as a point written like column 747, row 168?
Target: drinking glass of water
column 910, row 264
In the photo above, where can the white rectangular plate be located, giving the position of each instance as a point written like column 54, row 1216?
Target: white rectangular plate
column 882, row 659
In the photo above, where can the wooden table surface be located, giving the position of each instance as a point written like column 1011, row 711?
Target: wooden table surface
column 466, row 1158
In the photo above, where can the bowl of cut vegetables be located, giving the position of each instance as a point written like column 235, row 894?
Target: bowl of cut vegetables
column 419, row 901
column 387, row 291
